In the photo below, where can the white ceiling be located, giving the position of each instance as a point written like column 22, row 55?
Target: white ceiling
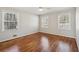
column 34, row 10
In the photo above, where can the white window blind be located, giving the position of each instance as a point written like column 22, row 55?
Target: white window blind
column 64, row 21
column 44, row 22
column 9, row 21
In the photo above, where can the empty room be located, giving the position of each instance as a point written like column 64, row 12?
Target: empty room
column 39, row 29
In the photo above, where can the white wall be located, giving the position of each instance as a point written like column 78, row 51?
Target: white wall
column 53, row 23
column 77, row 26
column 28, row 24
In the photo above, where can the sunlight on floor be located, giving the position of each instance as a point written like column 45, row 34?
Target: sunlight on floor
column 45, row 44
column 63, row 47
column 14, row 48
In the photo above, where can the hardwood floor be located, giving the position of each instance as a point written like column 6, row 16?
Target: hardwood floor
column 40, row 42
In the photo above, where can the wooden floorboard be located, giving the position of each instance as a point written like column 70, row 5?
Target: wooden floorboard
column 40, row 42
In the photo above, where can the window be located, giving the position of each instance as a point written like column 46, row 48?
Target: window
column 9, row 21
column 64, row 21
column 44, row 22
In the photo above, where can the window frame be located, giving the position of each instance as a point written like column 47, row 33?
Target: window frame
column 3, row 21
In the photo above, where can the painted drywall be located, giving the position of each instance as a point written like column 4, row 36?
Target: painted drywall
column 53, row 23
column 28, row 24
column 77, row 26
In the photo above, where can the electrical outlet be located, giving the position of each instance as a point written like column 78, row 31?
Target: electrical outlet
column 14, row 35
